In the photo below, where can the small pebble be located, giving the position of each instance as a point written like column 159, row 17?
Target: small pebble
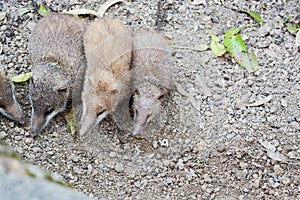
column 119, row 167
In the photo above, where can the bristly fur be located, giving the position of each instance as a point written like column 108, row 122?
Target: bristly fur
column 8, row 103
column 151, row 76
column 108, row 47
column 57, row 55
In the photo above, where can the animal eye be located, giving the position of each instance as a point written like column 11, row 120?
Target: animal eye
column 100, row 113
column 137, row 92
column 49, row 111
column 2, row 106
column 147, row 118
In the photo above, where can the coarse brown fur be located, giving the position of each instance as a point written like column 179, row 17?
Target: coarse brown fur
column 151, row 76
column 8, row 103
column 108, row 47
column 57, row 55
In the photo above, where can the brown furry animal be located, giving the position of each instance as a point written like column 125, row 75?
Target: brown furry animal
column 8, row 103
column 151, row 76
column 57, row 55
column 108, row 47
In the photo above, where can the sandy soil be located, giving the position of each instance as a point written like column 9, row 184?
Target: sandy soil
column 207, row 144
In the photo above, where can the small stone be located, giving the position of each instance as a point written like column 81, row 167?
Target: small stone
column 283, row 103
column 256, row 183
column 206, row 178
column 164, row 143
column 138, row 184
column 18, row 138
column 278, row 170
column 77, row 170
column 285, row 181
column 119, row 167
column 229, row 153
column 180, row 164
column 169, row 180
column 166, row 163
column 112, row 154
column 90, row 169
column 155, row 144
column 75, row 158
column 28, row 140
column 243, row 165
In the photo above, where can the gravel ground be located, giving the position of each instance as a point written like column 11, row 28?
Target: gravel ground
column 210, row 146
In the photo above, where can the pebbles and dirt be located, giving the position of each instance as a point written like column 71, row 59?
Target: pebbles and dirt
column 212, row 145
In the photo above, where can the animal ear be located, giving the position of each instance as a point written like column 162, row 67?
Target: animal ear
column 161, row 96
column 62, row 90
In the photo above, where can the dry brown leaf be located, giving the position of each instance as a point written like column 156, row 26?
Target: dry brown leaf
column 201, row 85
column 103, row 8
column 181, row 90
column 277, row 156
column 294, row 155
column 271, row 152
column 260, row 102
column 198, row 2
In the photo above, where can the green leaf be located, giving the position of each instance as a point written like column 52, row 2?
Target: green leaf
column 70, row 119
column 248, row 61
column 2, row 15
column 234, row 42
column 232, row 32
column 23, row 11
column 291, row 28
column 82, row 11
column 22, row 78
column 217, row 48
column 254, row 15
column 43, row 11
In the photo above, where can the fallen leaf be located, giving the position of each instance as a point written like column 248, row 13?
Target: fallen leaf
column 169, row 40
column 269, row 146
column 82, row 11
column 201, row 47
column 22, row 78
column 247, row 60
column 103, row 8
column 2, row 15
column 260, row 102
column 42, row 10
column 234, row 42
column 201, row 85
column 294, row 155
column 277, row 156
column 291, row 28
column 23, row 11
column 181, row 90
column 254, row 15
column 195, row 103
column 69, row 117
column 198, row 2
column 271, row 152
column 217, row 48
